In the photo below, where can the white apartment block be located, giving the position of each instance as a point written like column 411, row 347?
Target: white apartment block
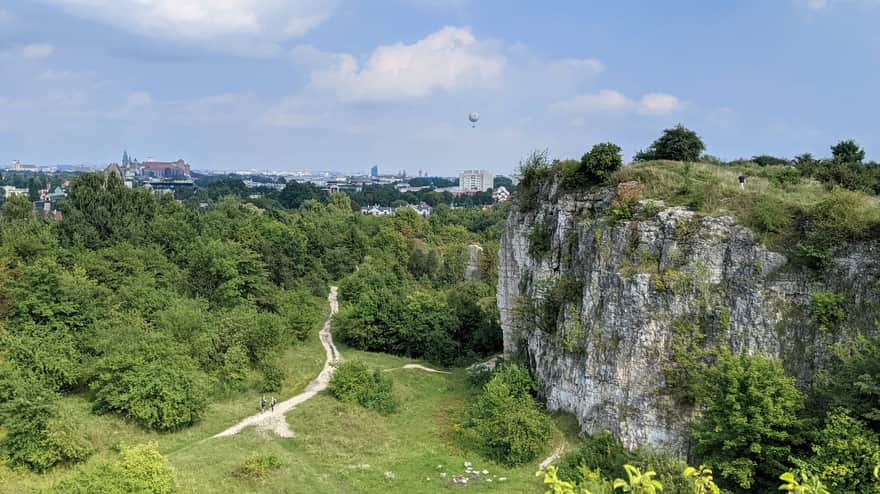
column 475, row 180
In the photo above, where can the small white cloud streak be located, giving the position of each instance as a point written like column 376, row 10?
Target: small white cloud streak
column 37, row 50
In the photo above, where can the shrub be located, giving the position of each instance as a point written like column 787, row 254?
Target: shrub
column 826, row 309
column 39, row 432
column 165, row 394
column 770, row 215
column 840, row 216
column 272, row 378
column 505, row 423
column 594, row 167
column 600, row 451
column 851, row 380
column 750, row 421
column 353, row 382
column 540, row 239
column 142, row 470
column 845, row 453
column 257, row 467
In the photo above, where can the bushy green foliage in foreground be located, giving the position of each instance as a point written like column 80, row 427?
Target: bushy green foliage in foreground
column 751, row 421
column 504, row 422
column 354, row 382
column 141, row 470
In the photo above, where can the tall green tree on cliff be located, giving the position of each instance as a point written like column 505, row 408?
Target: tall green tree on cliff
column 677, row 144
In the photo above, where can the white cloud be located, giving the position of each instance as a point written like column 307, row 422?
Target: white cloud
column 658, row 104
column 611, row 102
column 37, row 50
column 450, row 59
column 221, row 24
column 139, row 98
column 605, row 101
column 577, row 69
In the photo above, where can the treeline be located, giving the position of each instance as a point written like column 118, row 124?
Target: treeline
column 295, row 194
column 151, row 310
column 409, row 296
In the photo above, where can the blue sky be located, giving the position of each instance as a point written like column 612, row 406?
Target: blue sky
column 344, row 84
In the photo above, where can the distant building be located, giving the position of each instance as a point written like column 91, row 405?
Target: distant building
column 374, row 171
column 10, row 191
column 114, row 170
column 377, row 210
column 475, row 181
column 501, row 194
column 164, row 169
column 18, row 167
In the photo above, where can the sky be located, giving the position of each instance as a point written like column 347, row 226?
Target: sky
column 347, row 84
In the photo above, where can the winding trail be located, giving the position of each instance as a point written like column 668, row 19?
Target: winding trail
column 554, row 456
column 274, row 422
column 418, row 367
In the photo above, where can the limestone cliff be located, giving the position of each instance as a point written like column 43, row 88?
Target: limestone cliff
column 594, row 290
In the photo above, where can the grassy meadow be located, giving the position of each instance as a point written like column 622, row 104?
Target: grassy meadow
column 337, row 448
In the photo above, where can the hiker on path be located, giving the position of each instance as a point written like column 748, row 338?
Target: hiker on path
column 272, row 404
column 263, row 403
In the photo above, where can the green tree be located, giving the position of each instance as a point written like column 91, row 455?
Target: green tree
column 750, row 421
column 845, row 453
column 847, row 152
column 39, row 434
column 676, row 144
column 17, row 208
column 504, row 422
column 851, row 380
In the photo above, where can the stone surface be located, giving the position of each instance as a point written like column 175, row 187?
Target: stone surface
column 640, row 276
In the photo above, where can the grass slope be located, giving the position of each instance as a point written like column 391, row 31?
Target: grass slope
column 337, row 447
column 340, row 448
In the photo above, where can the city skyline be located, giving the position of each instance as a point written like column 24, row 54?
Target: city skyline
column 343, row 84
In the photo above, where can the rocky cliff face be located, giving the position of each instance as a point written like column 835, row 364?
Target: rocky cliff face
column 596, row 291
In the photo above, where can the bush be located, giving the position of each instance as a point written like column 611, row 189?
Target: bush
column 353, row 382
column 840, row 216
column 845, row 453
column 770, row 215
column 39, row 432
column 257, row 467
column 827, row 310
column 676, row 144
column 750, row 421
column 272, row 378
column 540, row 239
column 164, row 395
column 594, row 167
column 600, row 451
column 505, row 423
column 851, row 380
column 142, row 470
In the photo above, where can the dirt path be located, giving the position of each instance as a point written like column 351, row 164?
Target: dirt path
column 419, row 367
column 274, row 422
column 555, row 455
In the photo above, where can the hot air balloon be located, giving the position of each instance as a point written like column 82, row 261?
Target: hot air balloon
column 474, row 117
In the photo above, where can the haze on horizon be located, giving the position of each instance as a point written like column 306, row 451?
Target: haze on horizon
column 310, row 84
